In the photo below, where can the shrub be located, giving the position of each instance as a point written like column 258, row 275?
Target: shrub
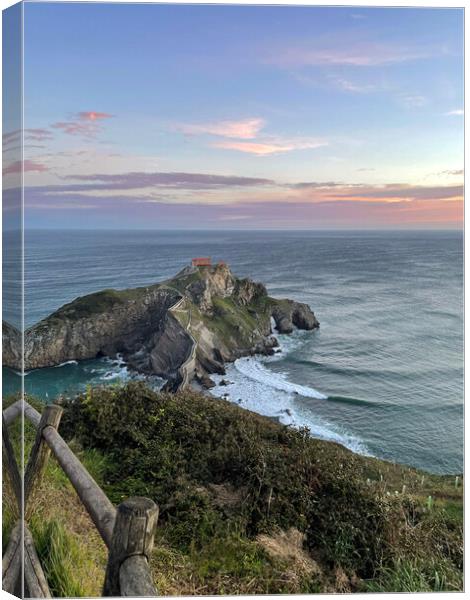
column 219, row 471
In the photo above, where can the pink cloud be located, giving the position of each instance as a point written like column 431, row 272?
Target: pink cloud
column 92, row 115
column 266, row 148
column 85, row 124
column 27, row 165
column 253, row 215
column 245, row 129
column 236, row 132
column 370, row 194
column 88, row 130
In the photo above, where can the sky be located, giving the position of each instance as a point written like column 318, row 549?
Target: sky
column 240, row 117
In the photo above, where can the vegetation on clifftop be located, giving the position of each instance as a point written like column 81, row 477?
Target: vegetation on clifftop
column 250, row 506
column 98, row 303
column 223, row 477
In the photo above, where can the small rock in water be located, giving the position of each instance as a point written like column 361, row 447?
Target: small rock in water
column 225, row 382
column 205, row 381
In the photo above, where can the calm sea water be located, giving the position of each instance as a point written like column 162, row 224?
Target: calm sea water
column 383, row 375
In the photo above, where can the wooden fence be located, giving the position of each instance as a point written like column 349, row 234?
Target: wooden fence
column 127, row 531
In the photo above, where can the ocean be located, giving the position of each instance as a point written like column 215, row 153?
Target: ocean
column 384, row 373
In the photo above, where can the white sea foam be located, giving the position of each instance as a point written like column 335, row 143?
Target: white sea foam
column 117, row 370
column 67, row 362
column 255, row 369
column 112, row 375
column 256, row 387
column 288, row 342
column 26, row 373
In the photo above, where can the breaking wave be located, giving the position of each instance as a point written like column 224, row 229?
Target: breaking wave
column 250, row 383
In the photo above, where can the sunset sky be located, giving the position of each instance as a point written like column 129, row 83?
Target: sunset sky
column 141, row 116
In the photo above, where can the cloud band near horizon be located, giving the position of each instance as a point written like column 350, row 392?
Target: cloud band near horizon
column 211, row 200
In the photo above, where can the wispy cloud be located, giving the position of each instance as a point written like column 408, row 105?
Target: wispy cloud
column 35, row 135
column 26, row 165
column 351, row 86
column 245, row 129
column 205, row 188
column 269, row 147
column 38, row 135
column 394, row 192
column 85, row 124
column 315, row 208
column 76, row 128
column 412, row 100
column 455, row 113
column 452, row 172
column 356, row 55
column 91, row 115
column 136, row 180
column 242, row 136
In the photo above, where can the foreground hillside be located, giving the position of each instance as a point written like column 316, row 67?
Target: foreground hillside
column 250, row 506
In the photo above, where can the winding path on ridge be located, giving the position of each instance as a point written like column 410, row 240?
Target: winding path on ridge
column 188, row 365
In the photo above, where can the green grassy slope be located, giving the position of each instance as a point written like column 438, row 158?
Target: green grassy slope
column 251, row 506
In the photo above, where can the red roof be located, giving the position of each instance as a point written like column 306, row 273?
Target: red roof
column 201, row 262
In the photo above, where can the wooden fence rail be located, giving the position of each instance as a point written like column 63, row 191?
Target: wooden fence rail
column 127, row 531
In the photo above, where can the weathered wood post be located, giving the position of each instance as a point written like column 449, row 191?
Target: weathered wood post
column 35, row 582
column 11, row 562
column 40, row 453
column 10, row 466
column 127, row 571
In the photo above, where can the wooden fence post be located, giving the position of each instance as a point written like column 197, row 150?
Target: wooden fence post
column 132, row 543
column 35, row 582
column 10, row 466
column 40, row 453
column 11, row 562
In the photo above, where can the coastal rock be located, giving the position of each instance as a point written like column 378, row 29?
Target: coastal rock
column 205, row 381
column 11, row 346
column 102, row 324
column 218, row 282
column 184, row 328
column 288, row 313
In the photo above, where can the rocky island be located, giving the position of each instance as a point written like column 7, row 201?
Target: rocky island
column 182, row 329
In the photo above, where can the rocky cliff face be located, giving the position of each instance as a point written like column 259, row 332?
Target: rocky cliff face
column 102, row 324
column 11, row 346
column 186, row 327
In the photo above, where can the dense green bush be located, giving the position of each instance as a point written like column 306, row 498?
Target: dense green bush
column 217, row 470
